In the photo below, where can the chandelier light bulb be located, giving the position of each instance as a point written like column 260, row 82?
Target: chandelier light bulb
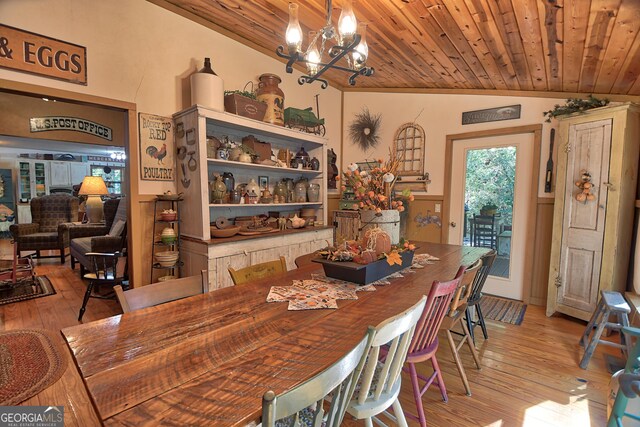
column 361, row 51
column 293, row 35
column 313, row 55
column 347, row 23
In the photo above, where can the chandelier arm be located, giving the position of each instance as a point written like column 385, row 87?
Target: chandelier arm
column 291, row 59
column 327, row 4
column 366, row 71
column 308, row 79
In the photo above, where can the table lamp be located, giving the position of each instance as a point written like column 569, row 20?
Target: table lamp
column 93, row 187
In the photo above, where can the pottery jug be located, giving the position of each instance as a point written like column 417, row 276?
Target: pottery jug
column 272, row 95
column 313, row 192
column 207, row 89
column 218, row 190
column 303, row 158
column 315, row 164
column 253, row 186
column 300, row 192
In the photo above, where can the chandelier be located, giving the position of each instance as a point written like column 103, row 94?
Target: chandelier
column 349, row 42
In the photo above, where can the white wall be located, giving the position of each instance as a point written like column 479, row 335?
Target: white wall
column 440, row 115
column 138, row 52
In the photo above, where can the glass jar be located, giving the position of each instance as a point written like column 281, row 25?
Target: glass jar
column 313, row 192
column 273, row 96
column 229, row 181
column 280, row 190
column 300, row 193
column 288, row 182
column 235, row 196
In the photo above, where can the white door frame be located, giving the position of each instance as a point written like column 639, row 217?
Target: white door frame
column 536, row 130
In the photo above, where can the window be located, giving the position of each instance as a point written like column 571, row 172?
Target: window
column 409, row 144
column 113, row 178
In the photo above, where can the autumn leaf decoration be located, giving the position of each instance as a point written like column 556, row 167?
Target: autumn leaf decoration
column 393, row 257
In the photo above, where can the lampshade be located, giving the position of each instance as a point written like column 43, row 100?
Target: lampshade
column 93, row 186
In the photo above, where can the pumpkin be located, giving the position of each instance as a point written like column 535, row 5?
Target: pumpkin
column 377, row 240
column 368, row 257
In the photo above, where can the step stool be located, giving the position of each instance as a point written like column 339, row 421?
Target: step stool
column 610, row 303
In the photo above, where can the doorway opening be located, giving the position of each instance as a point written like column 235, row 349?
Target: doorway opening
column 490, row 175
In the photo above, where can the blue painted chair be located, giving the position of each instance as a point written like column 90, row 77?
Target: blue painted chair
column 629, row 383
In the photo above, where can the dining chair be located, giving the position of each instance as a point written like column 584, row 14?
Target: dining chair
column 305, row 259
column 304, row 405
column 380, row 383
column 425, row 343
column 107, row 269
column 484, row 231
column 161, row 292
column 473, row 303
column 258, row 271
column 455, row 317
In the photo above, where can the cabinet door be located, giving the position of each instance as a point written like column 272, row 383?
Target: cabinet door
column 24, row 181
column 78, row 172
column 59, row 174
column 40, row 179
column 583, row 222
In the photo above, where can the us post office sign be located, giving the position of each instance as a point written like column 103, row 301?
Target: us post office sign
column 37, row 54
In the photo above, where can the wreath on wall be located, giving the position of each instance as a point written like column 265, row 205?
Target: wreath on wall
column 365, row 128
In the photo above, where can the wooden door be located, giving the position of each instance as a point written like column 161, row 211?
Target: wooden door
column 583, row 222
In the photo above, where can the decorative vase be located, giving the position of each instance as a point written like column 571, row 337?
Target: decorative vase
column 313, row 192
column 207, row 89
column 272, row 95
column 389, row 221
column 300, row 192
column 222, row 154
column 253, row 186
column 218, row 190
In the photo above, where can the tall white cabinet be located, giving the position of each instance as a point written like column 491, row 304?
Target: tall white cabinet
column 591, row 241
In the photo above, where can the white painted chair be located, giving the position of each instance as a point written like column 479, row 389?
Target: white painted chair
column 380, row 383
column 161, row 292
column 304, row 405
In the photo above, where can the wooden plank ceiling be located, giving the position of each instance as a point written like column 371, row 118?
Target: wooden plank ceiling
column 573, row 46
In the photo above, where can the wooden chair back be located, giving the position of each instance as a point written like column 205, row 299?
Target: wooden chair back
column 258, row 271
column 481, row 277
column 467, row 276
column 484, row 231
column 436, row 308
column 161, row 292
column 107, row 268
column 380, row 383
column 339, row 380
column 305, row 259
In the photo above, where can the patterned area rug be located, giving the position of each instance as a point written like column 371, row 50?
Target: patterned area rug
column 502, row 309
column 25, row 288
column 30, row 361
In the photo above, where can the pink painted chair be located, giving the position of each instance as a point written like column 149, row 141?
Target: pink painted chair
column 425, row 342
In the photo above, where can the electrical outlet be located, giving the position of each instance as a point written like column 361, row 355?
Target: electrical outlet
column 438, row 209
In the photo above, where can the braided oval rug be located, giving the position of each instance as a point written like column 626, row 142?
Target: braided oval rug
column 30, row 361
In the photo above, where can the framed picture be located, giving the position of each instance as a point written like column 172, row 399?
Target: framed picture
column 263, row 182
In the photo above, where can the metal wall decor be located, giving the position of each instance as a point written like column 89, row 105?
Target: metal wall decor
column 350, row 44
column 509, row 112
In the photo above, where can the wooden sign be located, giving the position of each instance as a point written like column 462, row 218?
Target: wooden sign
column 37, row 54
column 75, row 124
column 156, row 148
column 491, row 115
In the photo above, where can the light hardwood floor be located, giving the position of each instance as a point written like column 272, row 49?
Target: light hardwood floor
column 530, row 374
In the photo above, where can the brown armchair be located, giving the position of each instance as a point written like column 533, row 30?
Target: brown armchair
column 47, row 214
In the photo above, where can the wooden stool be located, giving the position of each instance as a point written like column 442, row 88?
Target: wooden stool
column 610, row 303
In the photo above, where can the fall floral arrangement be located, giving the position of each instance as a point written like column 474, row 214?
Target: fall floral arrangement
column 374, row 188
column 375, row 245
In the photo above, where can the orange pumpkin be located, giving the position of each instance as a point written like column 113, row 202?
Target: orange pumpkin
column 382, row 243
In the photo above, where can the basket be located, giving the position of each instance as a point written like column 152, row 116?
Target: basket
column 245, row 107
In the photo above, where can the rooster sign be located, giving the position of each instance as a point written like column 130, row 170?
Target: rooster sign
column 156, row 148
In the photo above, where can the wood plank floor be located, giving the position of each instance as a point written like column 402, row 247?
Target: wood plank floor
column 529, row 377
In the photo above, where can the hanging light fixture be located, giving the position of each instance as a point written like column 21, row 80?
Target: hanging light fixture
column 349, row 43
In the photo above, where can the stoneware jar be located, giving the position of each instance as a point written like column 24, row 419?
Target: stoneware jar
column 272, row 95
column 218, row 190
column 207, row 89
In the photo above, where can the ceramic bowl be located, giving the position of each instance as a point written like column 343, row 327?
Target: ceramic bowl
column 224, row 232
column 167, row 240
column 168, row 216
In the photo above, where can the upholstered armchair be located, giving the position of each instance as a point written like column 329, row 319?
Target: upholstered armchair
column 108, row 237
column 47, row 214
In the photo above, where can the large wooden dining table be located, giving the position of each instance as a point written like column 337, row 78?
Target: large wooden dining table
column 208, row 359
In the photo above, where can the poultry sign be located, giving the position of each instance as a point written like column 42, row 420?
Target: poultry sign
column 156, row 148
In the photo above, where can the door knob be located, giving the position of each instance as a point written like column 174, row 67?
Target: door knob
column 453, row 224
